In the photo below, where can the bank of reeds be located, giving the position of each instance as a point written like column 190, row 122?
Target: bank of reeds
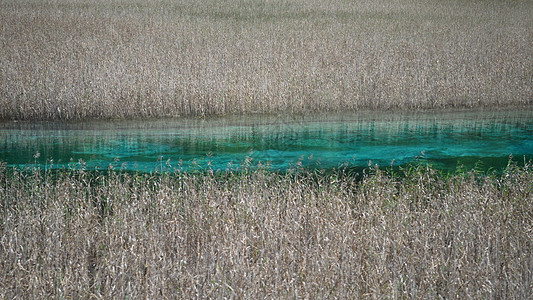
column 69, row 59
column 259, row 234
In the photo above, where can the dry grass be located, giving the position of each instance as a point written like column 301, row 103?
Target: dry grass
column 69, row 59
column 264, row 235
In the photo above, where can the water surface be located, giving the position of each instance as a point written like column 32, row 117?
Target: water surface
column 447, row 140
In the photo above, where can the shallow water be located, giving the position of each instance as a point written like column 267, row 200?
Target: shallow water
column 445, row 139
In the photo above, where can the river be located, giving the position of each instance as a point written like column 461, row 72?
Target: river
column 445, row 139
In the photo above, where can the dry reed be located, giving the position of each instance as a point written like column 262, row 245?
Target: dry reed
column 70, row 59
column 72, row 234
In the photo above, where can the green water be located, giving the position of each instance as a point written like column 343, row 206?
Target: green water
column 445, row 139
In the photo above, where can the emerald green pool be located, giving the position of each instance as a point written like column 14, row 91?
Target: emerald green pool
column 447, row 140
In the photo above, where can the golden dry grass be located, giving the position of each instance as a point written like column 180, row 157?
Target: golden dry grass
column 72, row 234
column 69, row 59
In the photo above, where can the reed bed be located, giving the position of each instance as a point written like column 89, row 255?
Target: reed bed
column 72, row 59
column 260, row 234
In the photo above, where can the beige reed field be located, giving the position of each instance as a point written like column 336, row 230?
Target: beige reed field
column 259, row 234
column 413, row 233
column 78, row 59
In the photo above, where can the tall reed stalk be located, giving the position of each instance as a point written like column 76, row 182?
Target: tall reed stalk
column 73, row 234
column 70, row 59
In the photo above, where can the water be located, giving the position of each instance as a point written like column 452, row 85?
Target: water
column 445, row 139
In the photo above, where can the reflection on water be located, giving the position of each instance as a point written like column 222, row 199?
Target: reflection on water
column 445, row 139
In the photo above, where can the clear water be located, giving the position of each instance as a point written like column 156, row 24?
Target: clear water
column 445, row 139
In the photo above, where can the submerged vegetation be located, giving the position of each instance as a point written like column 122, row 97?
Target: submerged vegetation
column 69, row 59
column 260, row 234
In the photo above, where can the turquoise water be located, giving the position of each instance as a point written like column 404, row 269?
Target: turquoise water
column 445, row 139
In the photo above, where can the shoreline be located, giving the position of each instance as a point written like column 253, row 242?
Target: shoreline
column 286, row 115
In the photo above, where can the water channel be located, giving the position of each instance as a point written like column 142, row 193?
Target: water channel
column 447, row 140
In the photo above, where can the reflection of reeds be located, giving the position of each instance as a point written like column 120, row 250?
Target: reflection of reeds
column 264, row 235
column 111, row 59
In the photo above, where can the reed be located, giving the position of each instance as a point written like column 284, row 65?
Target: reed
column 70, row 59
column 259, row 234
